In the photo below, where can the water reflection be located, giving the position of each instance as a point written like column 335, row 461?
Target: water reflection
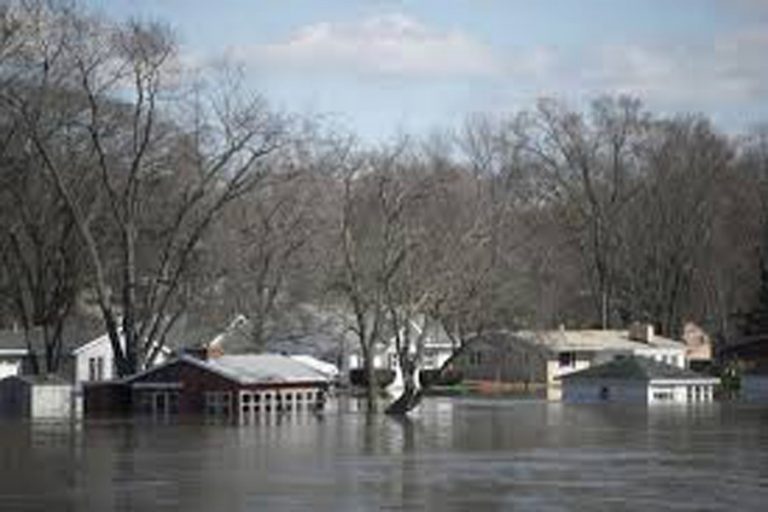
column 454, row 454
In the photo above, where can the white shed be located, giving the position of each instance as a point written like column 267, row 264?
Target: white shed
column 35, row 396
column 638, row 380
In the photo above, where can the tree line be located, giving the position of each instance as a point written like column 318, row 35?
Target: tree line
column 159, row 190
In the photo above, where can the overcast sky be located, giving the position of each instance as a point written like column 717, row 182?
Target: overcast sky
column 387, row 66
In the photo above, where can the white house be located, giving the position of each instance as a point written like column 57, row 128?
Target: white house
column 94, row 361
column 637, row 380
column 438, row 348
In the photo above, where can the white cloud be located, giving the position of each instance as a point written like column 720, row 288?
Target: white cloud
column 382, row 45
column 730, row 69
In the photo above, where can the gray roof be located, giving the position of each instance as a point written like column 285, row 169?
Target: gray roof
column 635, row 368
column 15, row 340
column 258, row 368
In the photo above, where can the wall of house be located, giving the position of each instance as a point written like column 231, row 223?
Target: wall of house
column 101, row 350
column 593, row 390
column 504, row 362
column 754, row 388
column 555, row 369
column 51, row 401
column 681, row 393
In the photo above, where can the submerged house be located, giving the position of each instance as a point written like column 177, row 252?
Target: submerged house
column 231, row 386
column 537, row 360
column 638, row 380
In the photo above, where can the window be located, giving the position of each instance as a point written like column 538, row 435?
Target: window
column 95, row 368
column 566, row 359
column 218, row 403
column 158, row 403
column 663, row 394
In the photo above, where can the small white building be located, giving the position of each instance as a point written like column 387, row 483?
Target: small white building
column 95, row 360
column 637, row 380
column 35, row 396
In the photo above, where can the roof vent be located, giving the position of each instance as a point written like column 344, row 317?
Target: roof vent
column 641, row 332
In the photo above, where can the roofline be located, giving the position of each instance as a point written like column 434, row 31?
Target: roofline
column 14, row 352
column 687, row 380
column 183, row 358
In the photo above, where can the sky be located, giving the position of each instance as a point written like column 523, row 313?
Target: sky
column 384, row 67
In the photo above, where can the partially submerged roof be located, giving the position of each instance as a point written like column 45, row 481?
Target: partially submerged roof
column 592, row 340
column 247, row 369
column 637, row 369
column 256, row 368
column 324, row 367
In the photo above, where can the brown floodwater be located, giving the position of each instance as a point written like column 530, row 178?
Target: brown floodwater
column 454, row 454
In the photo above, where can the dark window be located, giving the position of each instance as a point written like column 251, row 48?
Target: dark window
column 566, row 359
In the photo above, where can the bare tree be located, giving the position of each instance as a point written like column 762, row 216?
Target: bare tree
column 124, row 80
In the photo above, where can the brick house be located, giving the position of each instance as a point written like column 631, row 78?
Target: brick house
column 238, row 387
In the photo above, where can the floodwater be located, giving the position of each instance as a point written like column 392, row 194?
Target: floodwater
column 455, row 454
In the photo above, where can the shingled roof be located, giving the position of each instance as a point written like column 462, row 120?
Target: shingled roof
column 635, row 368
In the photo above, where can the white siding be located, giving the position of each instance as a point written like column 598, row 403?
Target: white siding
column 99, row 349
column 51, row 401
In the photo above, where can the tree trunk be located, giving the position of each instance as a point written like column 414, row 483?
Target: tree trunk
column 372, row 391
column 410, row 398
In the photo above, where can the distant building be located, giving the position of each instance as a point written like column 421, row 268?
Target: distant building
column 698, row 346
column 35, row 396
column 637, row 380
column 538, row 359
column 238, row 387
column 438, row 348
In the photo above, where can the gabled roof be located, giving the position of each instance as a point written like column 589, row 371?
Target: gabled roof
column 637, row 369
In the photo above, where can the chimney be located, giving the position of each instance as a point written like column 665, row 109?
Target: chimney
column 641, row 332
